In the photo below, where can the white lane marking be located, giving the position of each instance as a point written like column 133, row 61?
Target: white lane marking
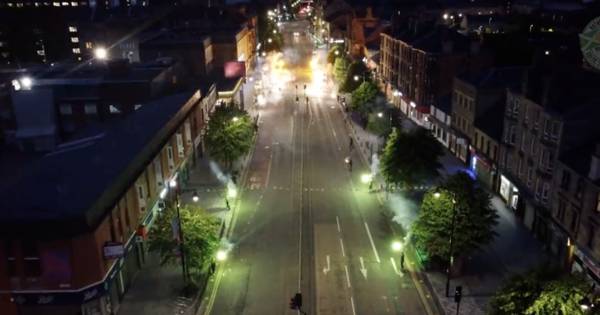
column 395, row 267
column 342, row 245
column 372, row 243
column 347, row 276
column 352, row 304
column 337, row 220
column 363, row 269
column 328, row 268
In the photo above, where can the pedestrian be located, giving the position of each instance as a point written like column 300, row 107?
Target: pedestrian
column 350, row 164
column 351, row 142
column 402, row 261
column 227, row 204
column 213, row 267
column 371, row 186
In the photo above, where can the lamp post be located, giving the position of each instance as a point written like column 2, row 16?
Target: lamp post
column 451, row 253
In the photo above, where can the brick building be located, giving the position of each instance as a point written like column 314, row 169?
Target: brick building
column 75, row 247
column 418, row 62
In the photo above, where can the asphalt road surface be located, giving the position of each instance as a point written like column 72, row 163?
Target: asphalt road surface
column 305, row 222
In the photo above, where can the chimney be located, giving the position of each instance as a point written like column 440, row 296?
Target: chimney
column 594, row 173
column 369, row 13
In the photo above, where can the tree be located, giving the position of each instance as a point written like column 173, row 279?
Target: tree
column 332, row 56
column 539, row 292
column 379, row 123
column 230, row 133
column 561, row 297
column 356, row 68
column 201, row 238
column 362, row 96
column 411, row 158
column 474, row 223
column 519, row 293
column 340, row 67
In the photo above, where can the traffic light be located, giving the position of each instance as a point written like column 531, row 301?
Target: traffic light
column 458, row 293
column 296, row 302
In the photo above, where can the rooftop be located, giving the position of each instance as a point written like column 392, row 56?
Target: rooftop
column 70, row 190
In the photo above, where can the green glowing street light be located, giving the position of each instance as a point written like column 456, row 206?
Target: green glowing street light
column 221, row 255
column 396, row 246
column 231, row 192
column 366, row 178
column 235, row 119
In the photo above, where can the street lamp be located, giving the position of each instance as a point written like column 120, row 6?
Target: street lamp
column 195, row 197
column 337, row 52
column 396, row 246
column 101, row 53
column 437, row 195
column 221, row 255
column 235, row 119
column 269, row 40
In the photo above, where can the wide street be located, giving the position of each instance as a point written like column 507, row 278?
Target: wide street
column 305, row 222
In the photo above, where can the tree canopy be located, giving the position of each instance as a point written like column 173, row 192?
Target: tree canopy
column 331, row 55
column 340, row 67
column 475, row 219
column 539, row 292
column 356, row 68
column 230, row 133
column 363, row 96
column 201, row 238
column 411, row 158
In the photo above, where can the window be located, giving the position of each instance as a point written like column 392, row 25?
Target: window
column 545, row 191
column 520, row 167
column 565, row 180
column 137, row 106
column 89, row 45
column 11, row 258
column 513, row 134
column 65, row 109
column 515, row 107
column 72, row 29
column 598, row 202
column 533, row 148
column 579, row 189
column 180, row 148
column 76, row 51
column 538, row 189
column 555, row 130
column 32, row 266
column 560, row 215
column 523, row 141
column 526, row 112
column 529, row 176
column 591, row 236
column 574, row 219
column 74, row 39
column 547, row 127
column 91, row 109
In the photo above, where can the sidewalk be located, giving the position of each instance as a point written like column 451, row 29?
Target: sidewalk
column 513, row 251
column 156, row 290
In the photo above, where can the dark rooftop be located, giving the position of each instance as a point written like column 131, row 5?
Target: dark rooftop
column 505, row 77
column 490, row 122
column 77, row 184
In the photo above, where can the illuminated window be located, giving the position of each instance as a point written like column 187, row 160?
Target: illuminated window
column 74, row 39
column 89, row 45
column 72, row 29
column 91, row 109
column 76, row 51
column 56, row 4
column 65, row 4
column 41, row 52
column 74, row 4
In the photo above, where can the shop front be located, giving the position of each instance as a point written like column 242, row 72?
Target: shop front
column 509, row 192
column 483, row 169
column 100, row 298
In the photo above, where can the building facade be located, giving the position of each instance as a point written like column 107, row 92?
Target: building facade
column 82, row 258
